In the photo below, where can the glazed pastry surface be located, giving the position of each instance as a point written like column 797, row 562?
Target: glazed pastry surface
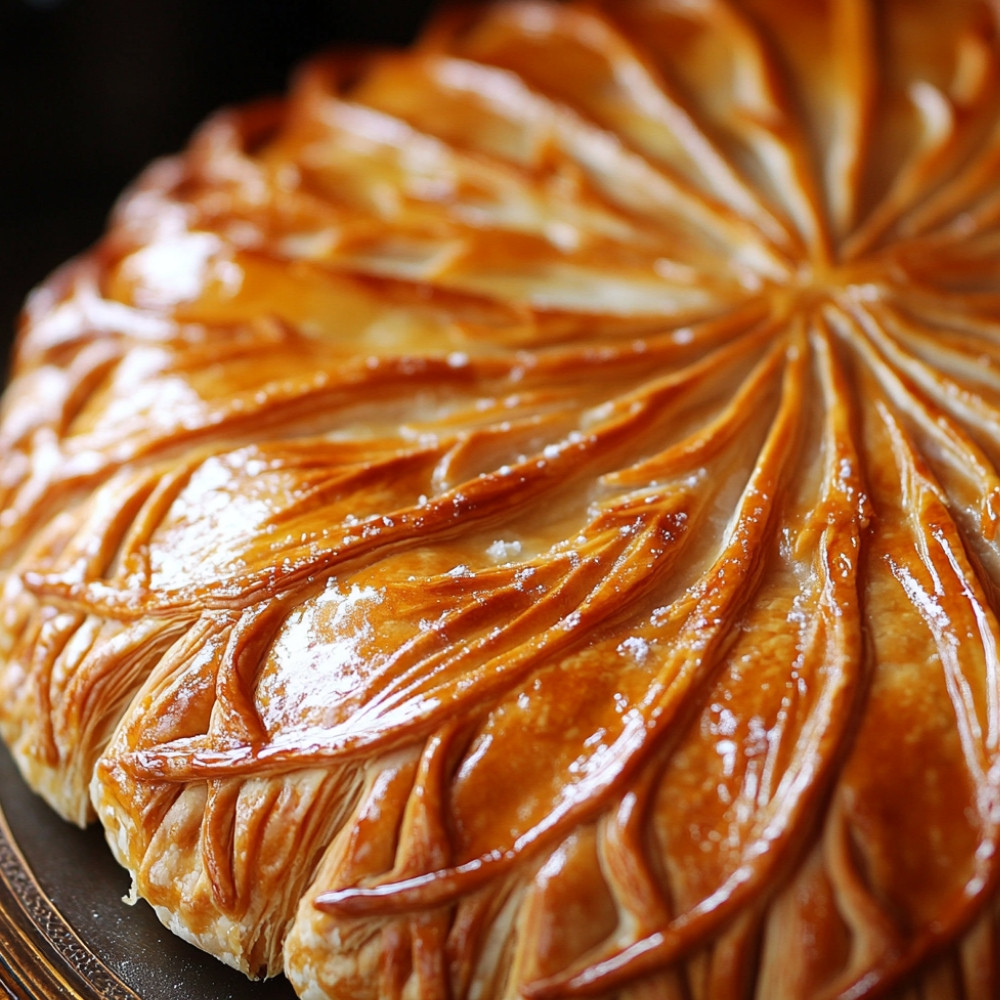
column 516, row 518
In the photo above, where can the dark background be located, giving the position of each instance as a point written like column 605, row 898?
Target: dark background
column 92, row 90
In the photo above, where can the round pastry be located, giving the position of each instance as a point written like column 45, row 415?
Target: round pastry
column 517, row 517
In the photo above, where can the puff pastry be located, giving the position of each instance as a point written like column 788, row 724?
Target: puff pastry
column 516, row 518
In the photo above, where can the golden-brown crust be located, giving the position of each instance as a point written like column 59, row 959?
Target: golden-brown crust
column 517, row 518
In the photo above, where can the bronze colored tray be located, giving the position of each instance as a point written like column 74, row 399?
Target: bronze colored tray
column 66, row 933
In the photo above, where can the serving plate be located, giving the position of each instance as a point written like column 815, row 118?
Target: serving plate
column 65, row 931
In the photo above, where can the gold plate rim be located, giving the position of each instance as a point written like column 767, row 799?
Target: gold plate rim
column 41, row 955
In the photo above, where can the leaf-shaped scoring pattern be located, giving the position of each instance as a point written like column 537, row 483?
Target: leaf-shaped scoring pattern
column 518, row 517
